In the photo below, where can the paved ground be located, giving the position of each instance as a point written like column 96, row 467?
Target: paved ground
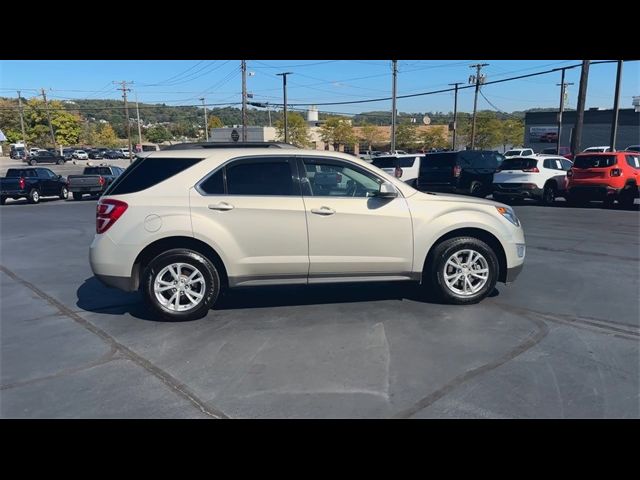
column 561, row 342
column 72, row 167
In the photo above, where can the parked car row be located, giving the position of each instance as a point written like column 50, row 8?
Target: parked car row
column 36, row 183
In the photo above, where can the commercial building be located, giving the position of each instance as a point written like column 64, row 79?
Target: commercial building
column 541, row 128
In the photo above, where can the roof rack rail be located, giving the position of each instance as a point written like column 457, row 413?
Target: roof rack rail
column 187, row 146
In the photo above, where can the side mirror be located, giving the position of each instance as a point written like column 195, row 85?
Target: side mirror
column 387, row 190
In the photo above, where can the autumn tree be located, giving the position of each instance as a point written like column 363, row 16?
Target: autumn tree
column 106, row 136
column 512, row 132
column 215, row 122
column 371, row 135
column 337, row 131
column 406, row 135
column 10, row 120
column 298, row 130
column 66, row 125
column 434, row 137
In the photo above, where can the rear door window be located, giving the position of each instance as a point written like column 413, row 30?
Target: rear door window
column 147, row 172
column 265, row 176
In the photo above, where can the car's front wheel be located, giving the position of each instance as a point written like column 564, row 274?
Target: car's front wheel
column 64, row 193
column 462, row 270
column 77, row 196
column 548, row 195
column 181, row 284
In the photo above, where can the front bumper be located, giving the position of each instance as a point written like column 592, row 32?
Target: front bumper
column 512, row 273
column 127, row 284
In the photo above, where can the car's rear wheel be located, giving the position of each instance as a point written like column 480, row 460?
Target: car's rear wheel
column 60, row 161
column 628, row 195
column 549, row 195
column 64, row 193
column 77, row 196
column 33, row 162
column 462, row 270
column 3, row 200
column 501, row 198
column 34, row 196
column 476, row 189
column 181, row 284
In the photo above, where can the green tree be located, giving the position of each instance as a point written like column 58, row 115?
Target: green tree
column 298, row 131
column 434, row 137
column 371, row 135
column 66, row 125
column 406, row 135
column 158, row 134
column 88, row 133
column 10, row 120
column 106, row 136
column 215, row 122
column 488, row 130
column 512, row 132
column 337, row 131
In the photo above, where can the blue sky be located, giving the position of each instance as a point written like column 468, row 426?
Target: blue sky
column 183, row 82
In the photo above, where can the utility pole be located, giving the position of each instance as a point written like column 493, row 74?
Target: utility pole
column 24, row 136
column 455, row 114
column 138, row 117
column 562, row 86
column 477, row 79
column 206, row 122
column 46, row 107
column 284, row 90
column 244, row 100
column 582, row 97
column 269, row 111
column 616, row 102
column 393, row 105
column 123, row 87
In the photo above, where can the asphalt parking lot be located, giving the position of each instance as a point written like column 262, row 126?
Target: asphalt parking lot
column 563, row 341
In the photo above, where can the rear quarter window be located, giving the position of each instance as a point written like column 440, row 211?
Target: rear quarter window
column 147, row 172
column 634, row 161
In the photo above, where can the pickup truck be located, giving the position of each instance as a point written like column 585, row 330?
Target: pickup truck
column 45, row 156
column 93, row 181
column 32, row 184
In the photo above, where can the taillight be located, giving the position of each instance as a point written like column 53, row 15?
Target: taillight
column 615, row 172
column 101, row 180
column 531, row 170
column 21, row 183
column 107, row 212
column 456, row 170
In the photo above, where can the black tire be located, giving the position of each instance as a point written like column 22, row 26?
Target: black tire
column 210, row 290
column 60, row 161
column 34, row 196
column 33, row 162
column 548, row 194
column 627, row 196
column 64, row 192
column 609, row 201
column 77, row 196
column 3, row 200
column 433, row 275
column 476, row 189
column 574, row 201
column 501, row 198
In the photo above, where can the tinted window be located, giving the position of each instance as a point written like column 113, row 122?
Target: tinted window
column 633, row 148
column 147, row 172
column 45, row 173
column 391, row 162
column 439, row 159
column 528, row 152
column 634, row 161
column 214, row 184
column 566, row 164
column 268, row 177
column 97, row 171
column 519, row 163
column 339, row 180
column 594, row 161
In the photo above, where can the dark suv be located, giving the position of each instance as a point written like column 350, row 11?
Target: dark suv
column 468, row 172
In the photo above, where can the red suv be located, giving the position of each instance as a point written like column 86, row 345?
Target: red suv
column 606, row 176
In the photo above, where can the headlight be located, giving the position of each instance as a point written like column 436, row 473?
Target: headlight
column 509, row 214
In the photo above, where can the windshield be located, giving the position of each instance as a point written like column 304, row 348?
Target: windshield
column 594, row 161
column 391, row 162
column 519, row 164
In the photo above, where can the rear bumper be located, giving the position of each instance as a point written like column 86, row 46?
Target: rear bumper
column 73, row 189
column 13, row 193
column 516, row 191
column 593, row 191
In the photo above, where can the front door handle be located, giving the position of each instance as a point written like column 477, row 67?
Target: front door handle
column 323, row 211
column 222, row 206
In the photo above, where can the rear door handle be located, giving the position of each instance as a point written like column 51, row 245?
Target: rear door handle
column 323, row 211
column 222, row 206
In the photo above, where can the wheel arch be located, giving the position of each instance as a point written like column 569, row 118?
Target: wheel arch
column 484, row 235
column 167, row 243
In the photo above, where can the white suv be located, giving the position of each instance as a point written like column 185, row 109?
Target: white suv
column 182, row 224
column 519, row 152
column 405, row 167
column 541, row 177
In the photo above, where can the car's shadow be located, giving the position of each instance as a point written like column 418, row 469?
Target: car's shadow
column 93, row 296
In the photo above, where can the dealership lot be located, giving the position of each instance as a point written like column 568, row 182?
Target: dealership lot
column 561, row 342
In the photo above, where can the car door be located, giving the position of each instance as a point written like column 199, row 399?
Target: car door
column 251, row 211
column 45, row 180
column 352, row 234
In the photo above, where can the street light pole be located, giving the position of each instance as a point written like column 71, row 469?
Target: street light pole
column 284, row 90
column 206, row 123
column 138, row 119
column 244, row 100
column 562, row 86
column 393, row 106
column 616, row 102
column 455, row 114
